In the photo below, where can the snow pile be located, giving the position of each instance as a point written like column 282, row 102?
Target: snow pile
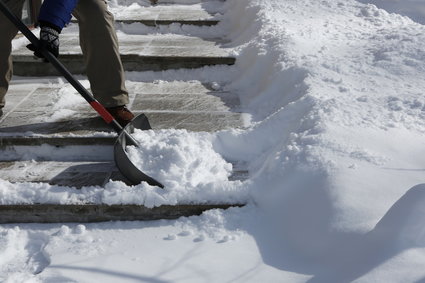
column 184, row 158
column 415, row 9
column 186, row 163
column 336, row 90
column 13, row 255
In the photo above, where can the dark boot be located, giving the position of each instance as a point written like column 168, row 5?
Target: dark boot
column 121, row 114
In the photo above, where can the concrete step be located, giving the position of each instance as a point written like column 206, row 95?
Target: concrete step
column 87, row 173
column 56, row 213
column 76, row 174
column 7, row 141
column 50, row 110
column 43, row 123
column 34, row 123
column 71, row 174
column 138, row 53
column 194, row 14
column 176, row 2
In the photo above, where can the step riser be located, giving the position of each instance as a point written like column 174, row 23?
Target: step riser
column 196, row 122
column 6, row 142
column 98, row 213
column 24, row 65
column 155, row 23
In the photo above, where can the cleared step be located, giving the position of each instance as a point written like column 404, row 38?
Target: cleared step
column 195, row 14
column 61, row 111
column 138, row 53
column 56, row 213
column 185, row 2
column 89, row 123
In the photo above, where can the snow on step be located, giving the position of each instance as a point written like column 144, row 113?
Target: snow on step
column 48, row 133
column 76, row 174
column 207, row 185
column 138, row 53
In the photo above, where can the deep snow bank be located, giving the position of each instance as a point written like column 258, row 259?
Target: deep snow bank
column 336, row 90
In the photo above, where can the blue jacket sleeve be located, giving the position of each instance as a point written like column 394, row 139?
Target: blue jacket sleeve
column 57, row 12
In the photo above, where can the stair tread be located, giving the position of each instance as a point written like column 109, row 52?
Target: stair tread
column 195, row 14
column 192, row 106
column 74, row 173
column 150, row 45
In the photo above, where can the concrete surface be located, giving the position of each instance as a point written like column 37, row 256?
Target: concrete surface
column 74, row 173
column 167, row 14
column 192, row 106
column 54, row 213
column 138, row 53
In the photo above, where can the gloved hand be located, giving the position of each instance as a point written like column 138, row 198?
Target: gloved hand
column 49, row 39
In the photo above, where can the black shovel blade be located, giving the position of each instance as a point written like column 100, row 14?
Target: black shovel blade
column 124, row 164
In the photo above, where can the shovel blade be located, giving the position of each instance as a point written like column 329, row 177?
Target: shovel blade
column 123, row 162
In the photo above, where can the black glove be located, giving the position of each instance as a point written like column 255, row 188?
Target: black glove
column 49, row 39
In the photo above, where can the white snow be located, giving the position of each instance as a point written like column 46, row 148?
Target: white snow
column 335, row 153
column 214, row 247
column 415, row 9
column 184, row 159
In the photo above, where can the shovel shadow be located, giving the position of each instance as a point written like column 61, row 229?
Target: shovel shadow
column 75, row 125
column 89, row 174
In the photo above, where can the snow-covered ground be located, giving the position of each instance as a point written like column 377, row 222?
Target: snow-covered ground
column 335, row 150
column 415, row 9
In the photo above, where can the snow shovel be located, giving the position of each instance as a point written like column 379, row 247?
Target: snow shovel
column 124, row 164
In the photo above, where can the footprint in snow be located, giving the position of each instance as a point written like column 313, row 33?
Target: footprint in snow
column 200, row 238
column 185, row 233
column 170, row 237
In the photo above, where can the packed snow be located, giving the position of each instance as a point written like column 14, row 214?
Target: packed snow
column 334, row 149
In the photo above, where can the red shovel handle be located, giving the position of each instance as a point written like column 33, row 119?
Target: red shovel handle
column 102, row 111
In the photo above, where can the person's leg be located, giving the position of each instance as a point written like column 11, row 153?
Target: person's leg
column 7, row 32
column 99, row 44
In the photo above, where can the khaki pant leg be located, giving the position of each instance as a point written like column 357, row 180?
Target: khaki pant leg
column 99, row 44
column 7, row 32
